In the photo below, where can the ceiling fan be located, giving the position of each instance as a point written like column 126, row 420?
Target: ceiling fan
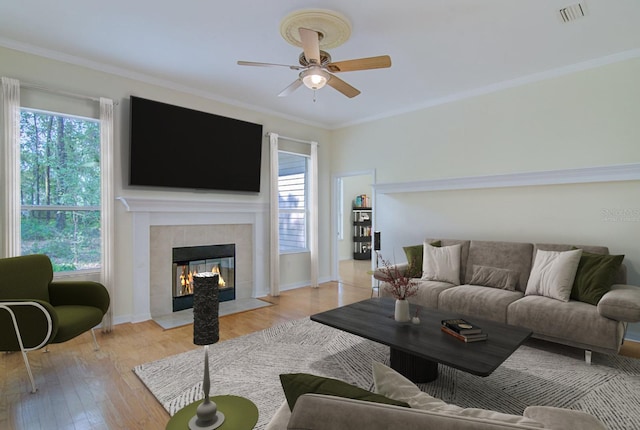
column 317, row 69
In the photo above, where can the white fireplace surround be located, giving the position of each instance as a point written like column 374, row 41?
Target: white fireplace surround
column 149, row 213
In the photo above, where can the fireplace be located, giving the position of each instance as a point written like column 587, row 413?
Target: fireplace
column 188, row 261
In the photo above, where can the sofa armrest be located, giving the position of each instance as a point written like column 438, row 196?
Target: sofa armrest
column 563, row 419
column 84, row 293
column 402, row 268
column 621, row 303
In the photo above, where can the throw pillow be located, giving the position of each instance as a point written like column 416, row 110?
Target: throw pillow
column 297, row 384
column 553, row 273
column 415, row 254
column 494, row 277
column 391, row 384
column 595, row 276
column 441, row 264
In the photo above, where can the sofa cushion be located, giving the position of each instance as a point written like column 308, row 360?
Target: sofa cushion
column 74, row 320
column 441, row 263
column 391, row 384
column 427, row 292
column 553, row 274
column 477, row 301
column 514, row 256
column 573, row 323
column 594, row 276
column 297, row 384
column 494, row 277
column 415, row 255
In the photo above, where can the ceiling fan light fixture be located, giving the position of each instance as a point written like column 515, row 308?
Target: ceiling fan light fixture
column 314, row 78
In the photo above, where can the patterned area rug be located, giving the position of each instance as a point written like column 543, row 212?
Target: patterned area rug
column 538, row 373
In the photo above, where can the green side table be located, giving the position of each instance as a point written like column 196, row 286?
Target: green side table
column 240, row 414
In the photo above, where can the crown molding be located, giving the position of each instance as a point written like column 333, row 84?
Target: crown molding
column 582, row 175
column 499, row 86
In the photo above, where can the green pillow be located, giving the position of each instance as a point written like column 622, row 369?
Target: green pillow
column 595, row 276
column 415, row 254
column 297, row 384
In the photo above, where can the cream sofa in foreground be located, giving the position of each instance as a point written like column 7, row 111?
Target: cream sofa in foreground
column 322, row 412
column 320, row 409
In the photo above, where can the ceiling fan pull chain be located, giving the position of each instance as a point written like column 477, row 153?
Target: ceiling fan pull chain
column 314, row 95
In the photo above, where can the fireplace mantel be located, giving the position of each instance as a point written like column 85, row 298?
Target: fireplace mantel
column 136, row 204
column 148, row 212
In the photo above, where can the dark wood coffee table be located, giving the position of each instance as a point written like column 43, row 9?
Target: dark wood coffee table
column 416, row 349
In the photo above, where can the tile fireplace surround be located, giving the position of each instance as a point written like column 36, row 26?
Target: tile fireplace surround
column 160, row 225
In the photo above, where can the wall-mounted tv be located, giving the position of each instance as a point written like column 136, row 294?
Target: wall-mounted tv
column 177, row 147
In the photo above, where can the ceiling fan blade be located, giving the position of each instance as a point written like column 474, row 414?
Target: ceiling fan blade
column 291, row 88
column 342, row 86
column 311, row 45
column 380, row 62
column 253, row 63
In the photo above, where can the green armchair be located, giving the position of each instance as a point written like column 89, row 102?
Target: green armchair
column 36, row 311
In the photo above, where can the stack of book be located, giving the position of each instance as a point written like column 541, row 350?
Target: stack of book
column 463, row 330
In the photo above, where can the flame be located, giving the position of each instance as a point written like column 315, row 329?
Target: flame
column 186, row 279
column 215, row 269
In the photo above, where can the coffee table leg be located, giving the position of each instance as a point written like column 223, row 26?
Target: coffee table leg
column 416, row 369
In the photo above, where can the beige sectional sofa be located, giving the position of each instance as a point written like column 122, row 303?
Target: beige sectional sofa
column 575, row 323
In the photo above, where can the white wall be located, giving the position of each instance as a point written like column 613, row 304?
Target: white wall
column 82, row 80
column 585, row 119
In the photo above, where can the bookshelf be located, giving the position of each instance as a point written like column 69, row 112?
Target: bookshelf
column 362, row 233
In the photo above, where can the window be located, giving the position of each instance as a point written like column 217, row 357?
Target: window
column 60, row 189
column 292, row 201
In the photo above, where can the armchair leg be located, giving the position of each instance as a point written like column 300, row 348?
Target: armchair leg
column 26, row 363
column 95, row 341
column 7, row 306
column 587, row 356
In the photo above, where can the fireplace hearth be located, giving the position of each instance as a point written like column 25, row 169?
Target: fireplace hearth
column 188, row 261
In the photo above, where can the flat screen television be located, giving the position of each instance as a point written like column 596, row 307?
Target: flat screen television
column 177, row 147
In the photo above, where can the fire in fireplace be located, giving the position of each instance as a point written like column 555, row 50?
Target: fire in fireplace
column 188, row 261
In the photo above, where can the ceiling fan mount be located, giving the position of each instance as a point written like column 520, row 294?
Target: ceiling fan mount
column 314, row 29
column 325, row 59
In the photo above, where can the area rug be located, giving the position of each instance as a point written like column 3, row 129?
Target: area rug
column 538, row 373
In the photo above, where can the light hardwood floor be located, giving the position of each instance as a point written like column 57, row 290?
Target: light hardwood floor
column 80, row 388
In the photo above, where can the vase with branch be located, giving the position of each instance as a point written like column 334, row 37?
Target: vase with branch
column 401, row 284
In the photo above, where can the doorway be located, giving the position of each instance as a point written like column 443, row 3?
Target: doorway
column 353, row 217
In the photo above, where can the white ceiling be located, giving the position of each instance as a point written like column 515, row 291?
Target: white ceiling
column 440, row 49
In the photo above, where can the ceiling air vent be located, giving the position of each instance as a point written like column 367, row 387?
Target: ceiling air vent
column 572, row 12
